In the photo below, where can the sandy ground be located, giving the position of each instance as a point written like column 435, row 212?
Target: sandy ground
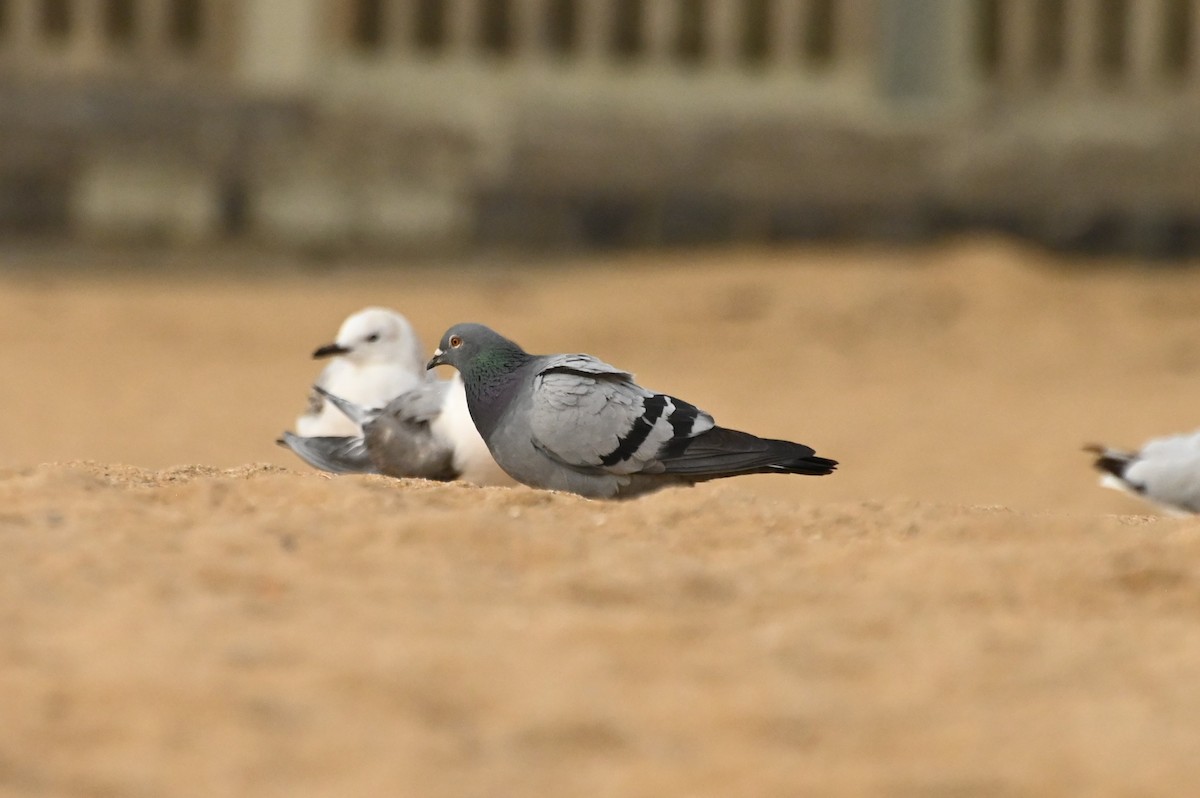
column 959, row 611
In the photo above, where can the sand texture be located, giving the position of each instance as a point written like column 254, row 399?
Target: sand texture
column 188, row 610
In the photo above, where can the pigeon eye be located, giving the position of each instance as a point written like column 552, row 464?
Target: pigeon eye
column 372, row 338
column 455, row 342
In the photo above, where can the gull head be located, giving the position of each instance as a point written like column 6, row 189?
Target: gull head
column 374, row 335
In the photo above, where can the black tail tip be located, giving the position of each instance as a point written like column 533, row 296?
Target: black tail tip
column 1111, row 465
column 1109, row 461
column 826, row 465
column 812, row 466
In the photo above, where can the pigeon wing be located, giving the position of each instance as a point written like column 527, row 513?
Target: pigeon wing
column 588, row 415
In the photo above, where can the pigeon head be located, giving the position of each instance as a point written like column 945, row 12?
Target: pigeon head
column 472, row 348
column 374, row 335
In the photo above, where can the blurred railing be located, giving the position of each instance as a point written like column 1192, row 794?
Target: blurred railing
column 156, row 39
column 1112, row 46
column 807, row 35
column 605, row 120
column 1017, row 46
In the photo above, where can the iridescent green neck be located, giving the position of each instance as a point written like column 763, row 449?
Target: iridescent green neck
column 491, row 381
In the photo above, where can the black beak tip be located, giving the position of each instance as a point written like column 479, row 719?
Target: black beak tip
column 329, row 350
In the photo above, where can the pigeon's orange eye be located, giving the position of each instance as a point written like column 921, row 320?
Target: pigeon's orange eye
column 455, row 342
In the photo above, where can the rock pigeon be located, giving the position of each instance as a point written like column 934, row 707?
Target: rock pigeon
column 574, row 423
column 1165, row 472
column 376, row 357
column 426, row 432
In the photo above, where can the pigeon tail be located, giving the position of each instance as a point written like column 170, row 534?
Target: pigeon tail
column 812, row 466
column 1110, row 461
column 721, row 452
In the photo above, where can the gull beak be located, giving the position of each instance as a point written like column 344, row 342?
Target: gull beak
column 436, row 360
column 329, row 350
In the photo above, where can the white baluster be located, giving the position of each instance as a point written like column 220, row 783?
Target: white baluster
column 1081, row 43
column 528, row 26
column 462, row 27
column 661, row 27
column 722, row 31
column 855, row 34
column 785, row 27
column 1192, row 57
column 1147, row 21
column 85, row 37
column 595, row 28
column 1018, row 34
column 151, row 26
column 399, row 26
column 24, row 34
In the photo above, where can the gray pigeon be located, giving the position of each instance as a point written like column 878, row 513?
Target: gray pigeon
column 574, row 423
column 1164, row 472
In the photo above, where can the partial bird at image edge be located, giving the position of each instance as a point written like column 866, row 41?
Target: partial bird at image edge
column 1164, row 472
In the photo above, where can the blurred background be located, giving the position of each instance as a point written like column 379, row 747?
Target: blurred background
column 601, row 123
column 913, row 233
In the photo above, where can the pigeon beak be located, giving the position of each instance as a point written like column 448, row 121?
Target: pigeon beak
column 329, row 350
column 436, row 360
